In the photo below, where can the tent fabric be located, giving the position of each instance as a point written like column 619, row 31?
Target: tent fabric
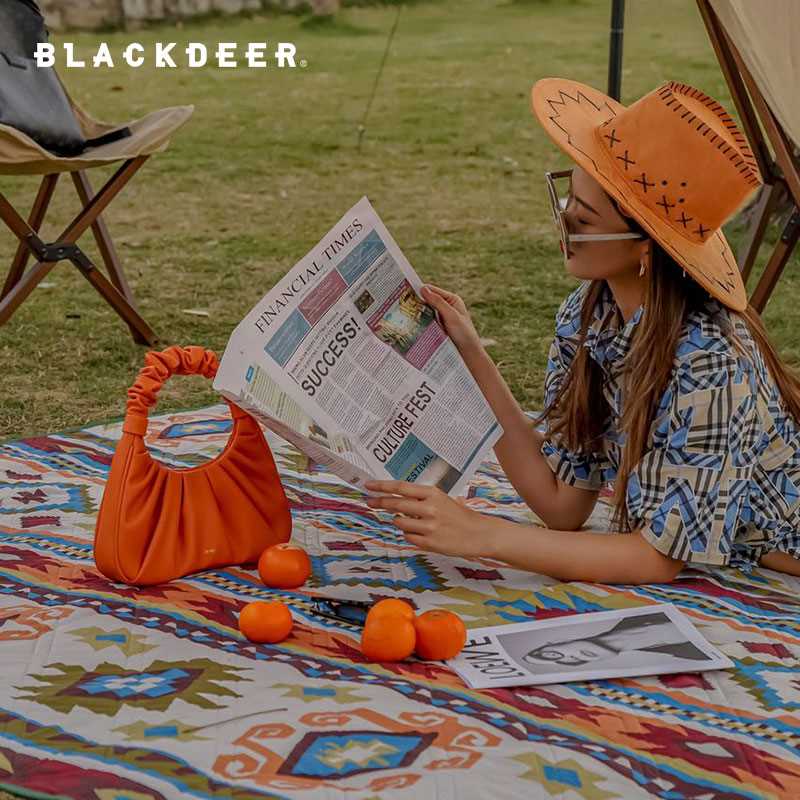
column 767, row 43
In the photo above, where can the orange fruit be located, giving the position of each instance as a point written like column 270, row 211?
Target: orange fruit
column 440, row 635
column 391, row 607
column 265, row 621
column 389, row 638
column 284, row 566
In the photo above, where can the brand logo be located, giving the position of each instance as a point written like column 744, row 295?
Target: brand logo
column 167, row 55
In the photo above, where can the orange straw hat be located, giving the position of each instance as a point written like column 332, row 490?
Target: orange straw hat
column 674, row 159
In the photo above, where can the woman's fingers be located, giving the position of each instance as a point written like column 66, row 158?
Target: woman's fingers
column 439, row 303
column 451, row 299
column 399, row 505
column 403, row 488
column 448, row 315
column 441, row 292
column 411, row 526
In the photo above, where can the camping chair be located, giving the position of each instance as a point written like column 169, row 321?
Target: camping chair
column 755, row 49
column 20, row 155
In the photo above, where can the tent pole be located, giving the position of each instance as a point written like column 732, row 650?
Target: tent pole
column 615, row 50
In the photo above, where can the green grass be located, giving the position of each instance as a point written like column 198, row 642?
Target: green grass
column 452, row 160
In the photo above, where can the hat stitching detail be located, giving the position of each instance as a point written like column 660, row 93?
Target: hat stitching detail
column 626, row 160
column 665, row 204
column 743, row 153
column 563, row 102
column 644, row 182
column 612, row 139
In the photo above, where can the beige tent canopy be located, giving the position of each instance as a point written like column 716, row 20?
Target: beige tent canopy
column 765, row 34
column 756, row 45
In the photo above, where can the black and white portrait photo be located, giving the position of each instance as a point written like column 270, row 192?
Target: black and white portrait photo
column 630, row 641
column 641, row 641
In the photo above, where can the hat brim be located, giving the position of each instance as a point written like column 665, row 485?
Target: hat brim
column 570, row 113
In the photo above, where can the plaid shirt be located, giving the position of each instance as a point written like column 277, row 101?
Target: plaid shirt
column 719, row 482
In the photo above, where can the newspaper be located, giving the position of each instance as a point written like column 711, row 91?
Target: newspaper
column 650, row 640
column 344, row 360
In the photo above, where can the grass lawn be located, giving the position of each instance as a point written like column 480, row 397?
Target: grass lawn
column 452, row 160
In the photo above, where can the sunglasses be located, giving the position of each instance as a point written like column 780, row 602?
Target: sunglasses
column 559, row 187
column 352, row 611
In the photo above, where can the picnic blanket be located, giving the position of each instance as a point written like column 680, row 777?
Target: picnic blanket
column 109, row 691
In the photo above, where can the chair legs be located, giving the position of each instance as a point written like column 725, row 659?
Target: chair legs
column 19, row 284
column 40, row 206
column 107, row 250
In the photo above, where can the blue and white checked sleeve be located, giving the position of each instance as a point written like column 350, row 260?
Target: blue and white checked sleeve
column 687, row 492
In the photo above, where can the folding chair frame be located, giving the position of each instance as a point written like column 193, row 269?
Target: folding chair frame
column 19, row 283
column 782, row 171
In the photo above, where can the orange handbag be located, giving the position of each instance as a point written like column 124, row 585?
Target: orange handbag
column 156, row 523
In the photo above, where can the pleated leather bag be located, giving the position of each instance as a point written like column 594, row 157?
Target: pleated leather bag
column 157, row 524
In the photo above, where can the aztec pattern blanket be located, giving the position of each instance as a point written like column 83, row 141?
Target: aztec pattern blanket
column 109, row 691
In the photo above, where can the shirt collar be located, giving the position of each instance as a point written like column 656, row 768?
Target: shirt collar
column 608, row 340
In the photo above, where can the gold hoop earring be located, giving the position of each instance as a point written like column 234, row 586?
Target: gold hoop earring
column 645, row 260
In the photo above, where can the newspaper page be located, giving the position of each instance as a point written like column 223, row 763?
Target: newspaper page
column 651, row 640
column 344, row 360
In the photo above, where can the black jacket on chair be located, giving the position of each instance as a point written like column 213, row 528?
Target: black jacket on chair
column 32, row 99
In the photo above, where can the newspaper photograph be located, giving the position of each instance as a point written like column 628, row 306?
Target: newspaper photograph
column 651, row 640
column 346, row 361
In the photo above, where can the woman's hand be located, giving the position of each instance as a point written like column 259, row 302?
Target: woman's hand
column 454, row 317
column 430, row 519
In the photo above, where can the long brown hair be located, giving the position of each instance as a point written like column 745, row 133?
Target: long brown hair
column 579, row 415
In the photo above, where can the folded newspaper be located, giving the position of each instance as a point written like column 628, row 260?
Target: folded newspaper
column 343, row 359
column 647, row 640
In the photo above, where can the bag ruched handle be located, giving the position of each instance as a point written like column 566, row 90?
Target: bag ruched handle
column 158, row 368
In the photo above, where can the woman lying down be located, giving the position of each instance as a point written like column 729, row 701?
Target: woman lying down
column 660, row 378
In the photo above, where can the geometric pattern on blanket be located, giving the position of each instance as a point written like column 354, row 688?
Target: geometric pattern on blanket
column 112, row 691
